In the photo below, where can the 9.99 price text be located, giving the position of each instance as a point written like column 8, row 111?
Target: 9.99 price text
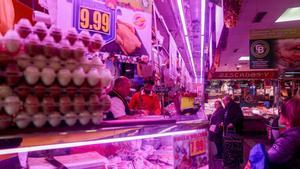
column 94, row 20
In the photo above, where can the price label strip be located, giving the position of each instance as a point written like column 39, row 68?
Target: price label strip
column 95, row 17
column 197, row 147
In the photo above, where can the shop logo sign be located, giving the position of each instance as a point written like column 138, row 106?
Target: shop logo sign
column 260, row 49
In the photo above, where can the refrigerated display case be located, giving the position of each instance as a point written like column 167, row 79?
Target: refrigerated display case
column 165, row 145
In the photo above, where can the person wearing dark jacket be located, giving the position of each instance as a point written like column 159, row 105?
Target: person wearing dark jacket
column 215, row 129
column 285, row 152
column 233, row 117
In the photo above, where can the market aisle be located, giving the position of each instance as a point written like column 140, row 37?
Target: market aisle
column 249, row 142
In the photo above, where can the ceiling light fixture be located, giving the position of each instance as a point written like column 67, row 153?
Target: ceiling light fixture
column 187, row 40
column 291, row 14
column 244, row 58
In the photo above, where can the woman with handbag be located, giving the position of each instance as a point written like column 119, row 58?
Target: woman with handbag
column 215, row 129
column 285, row 152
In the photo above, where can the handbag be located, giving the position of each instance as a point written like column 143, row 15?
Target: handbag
column 258, row 157
column 233, row 152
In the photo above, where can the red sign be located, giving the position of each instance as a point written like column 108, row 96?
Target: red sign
column 246, row 75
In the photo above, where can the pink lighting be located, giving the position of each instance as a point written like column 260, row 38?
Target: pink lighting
column 203, row 4
column 92, row 142
column 187, row 40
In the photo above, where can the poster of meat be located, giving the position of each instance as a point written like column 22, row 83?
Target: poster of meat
column 124, row 25
column 190, row 151
column 275, row 48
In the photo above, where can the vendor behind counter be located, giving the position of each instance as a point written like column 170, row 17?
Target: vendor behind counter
column 146, row 101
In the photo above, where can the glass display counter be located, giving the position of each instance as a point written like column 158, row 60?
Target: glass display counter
column 169, row 144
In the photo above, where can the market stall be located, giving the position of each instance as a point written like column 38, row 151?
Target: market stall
column 56, row 72
column 255, row 91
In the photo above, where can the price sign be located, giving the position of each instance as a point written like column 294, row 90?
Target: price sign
column 95, row 21
column 197, row 147
column 95, row 17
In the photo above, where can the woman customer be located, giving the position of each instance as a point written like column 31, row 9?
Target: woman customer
column 285, row 152
column 215, row 129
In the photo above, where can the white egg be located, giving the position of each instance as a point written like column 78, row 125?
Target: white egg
column 78, row 76
column 55, row 119
column 86, row 64
column 32, row 75
column 97, row 118
column 55, row 63
column 12, row 104
column 84, row 118
column 97, row 63
column 23, row 60
column 71, row 64
column 70, row 119
column 23, row 120
column 39, row 120
column 12, row 41
column 93, row 77
column 48, row 76
column 79, row 50
column 40, row 61
column 106, row 77
column 64, row 77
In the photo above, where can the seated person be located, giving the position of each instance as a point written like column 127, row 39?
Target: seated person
column 146, row 101
column 119, row 106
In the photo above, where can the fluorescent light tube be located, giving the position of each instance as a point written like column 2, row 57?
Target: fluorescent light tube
column 187, row 40
column 291, row 14
column 244, row 58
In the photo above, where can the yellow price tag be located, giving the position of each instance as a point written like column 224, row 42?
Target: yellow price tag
column 94, row 20
column 197, row 147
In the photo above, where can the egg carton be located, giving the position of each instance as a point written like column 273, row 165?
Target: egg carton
column 39, row 120
column 12, row 105
column 52, row 38
column 40, row 61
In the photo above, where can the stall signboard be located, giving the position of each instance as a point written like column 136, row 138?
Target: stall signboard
column 275, row 48
column 125, row 25
column 260, row 54
column 267, row 74
column 191, row 151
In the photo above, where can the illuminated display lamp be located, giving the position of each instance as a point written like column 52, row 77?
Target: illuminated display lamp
column 91, row 142
column 187, row 40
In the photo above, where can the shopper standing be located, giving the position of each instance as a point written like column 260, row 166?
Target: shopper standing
column 285, row 152
column 233, row 116
column 215, row 129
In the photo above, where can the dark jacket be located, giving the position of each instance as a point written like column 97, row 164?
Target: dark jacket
column 235, row 116
column 216, row 119
column 285, row 152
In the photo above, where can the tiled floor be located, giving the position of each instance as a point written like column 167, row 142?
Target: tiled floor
column 249, row 142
